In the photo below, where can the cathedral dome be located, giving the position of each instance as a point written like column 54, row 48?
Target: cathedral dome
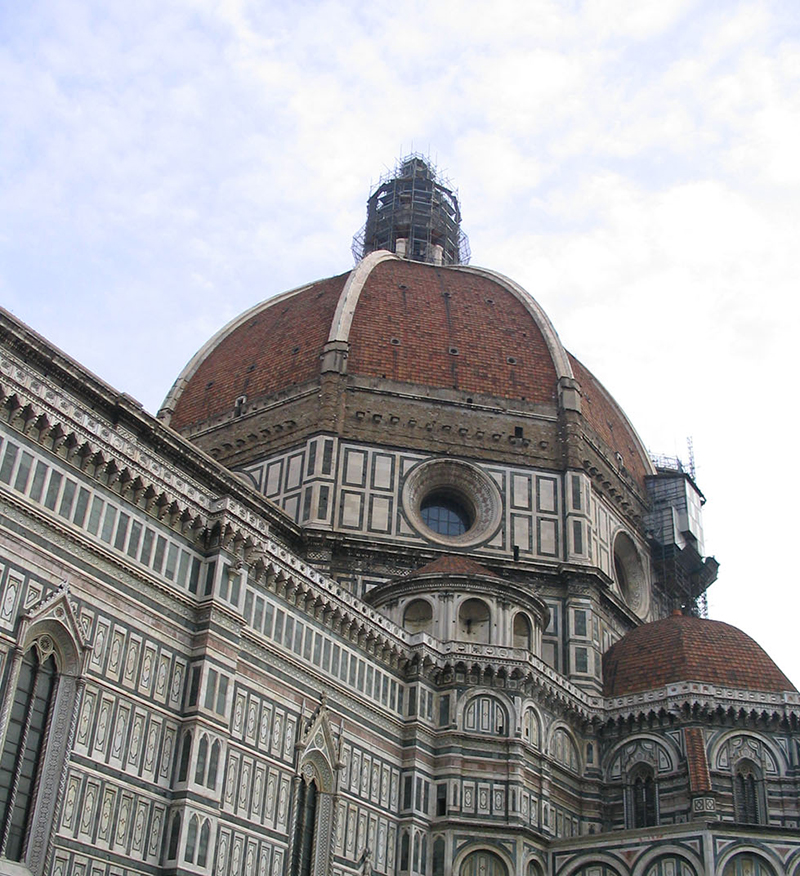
column 685, row 648
column 449, row 327
column 456, row 329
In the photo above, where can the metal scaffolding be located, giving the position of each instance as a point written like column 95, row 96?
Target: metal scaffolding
column 414, row 212
column 675, row 527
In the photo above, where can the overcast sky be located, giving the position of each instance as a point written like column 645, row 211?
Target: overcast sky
column 635, row 164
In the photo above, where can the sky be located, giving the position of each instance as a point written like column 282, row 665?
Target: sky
column 632, row 163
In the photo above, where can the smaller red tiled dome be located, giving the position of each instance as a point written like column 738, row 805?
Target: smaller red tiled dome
column 684, row 648
column 452, row 564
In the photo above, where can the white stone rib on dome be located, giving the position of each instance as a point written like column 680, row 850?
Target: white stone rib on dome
column 348, row 300
column 171, row 400
column 557, row 352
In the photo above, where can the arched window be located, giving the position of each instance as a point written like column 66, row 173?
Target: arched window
column 312, row 835
column 438, row 857
column 747, row 785
column 191, row 840
column 597, row 869
column 671, row 865
column 522, row 631
column 302, row 857
column 404, row 853
column 202, row 756
column 207, row 766
column 563, row 750
column 748, row 865
column 174, row 838
column 39, row 704
column 474, row 621
column 486, row 714
column 418, row 616
column 186, row 752
column 202, row 849
column 530, row 728
column 643, row 809
column 483, row 863
column 26, row 735
column 213, row 765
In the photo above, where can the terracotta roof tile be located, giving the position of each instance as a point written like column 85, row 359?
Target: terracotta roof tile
column 452, row 564
column 608, row 422
column 699, row 778
column 682, row 648
column 413, row 323
column 278, row 347
column 410, row 316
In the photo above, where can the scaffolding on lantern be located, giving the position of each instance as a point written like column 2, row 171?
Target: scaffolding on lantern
column 414, row 212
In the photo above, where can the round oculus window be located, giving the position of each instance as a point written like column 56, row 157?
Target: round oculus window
column 630, row 574
column 446, row 514
column 452, row 502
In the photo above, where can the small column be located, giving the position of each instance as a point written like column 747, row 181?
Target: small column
column 11, row 688
column 296, row 780
column 324, row 839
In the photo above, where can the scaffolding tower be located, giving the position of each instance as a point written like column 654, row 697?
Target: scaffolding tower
column 414, row 212
column 676, row 531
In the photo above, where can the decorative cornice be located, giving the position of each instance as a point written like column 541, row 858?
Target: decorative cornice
column 697, row 695
column 111, row 439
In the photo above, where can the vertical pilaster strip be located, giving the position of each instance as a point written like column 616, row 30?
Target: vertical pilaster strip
column 11, row 689
column 293, row 826
column 324, row 837
column 62, row 782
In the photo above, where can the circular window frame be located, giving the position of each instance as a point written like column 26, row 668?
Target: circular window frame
column 466, row 484
column 632, row 586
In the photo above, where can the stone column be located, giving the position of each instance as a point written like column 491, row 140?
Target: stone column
column 324, row 837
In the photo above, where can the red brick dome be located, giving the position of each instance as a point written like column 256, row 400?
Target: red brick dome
column 454, row 328
column 404, row 321
column 683, row 648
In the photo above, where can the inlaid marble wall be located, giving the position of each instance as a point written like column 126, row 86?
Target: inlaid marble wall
column 178, row 759
column 358, row 488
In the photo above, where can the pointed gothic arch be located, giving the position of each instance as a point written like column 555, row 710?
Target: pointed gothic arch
column 642, row 797
column 38, row 717
column 314, row 796
column 748, row 792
